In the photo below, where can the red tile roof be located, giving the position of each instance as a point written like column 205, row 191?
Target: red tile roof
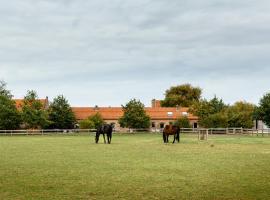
column 19, row 103
column 114, row 113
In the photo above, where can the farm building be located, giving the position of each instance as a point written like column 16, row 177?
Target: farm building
column 160, row 116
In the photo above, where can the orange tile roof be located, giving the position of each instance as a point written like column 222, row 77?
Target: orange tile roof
column 114, row 113
column 19, row 103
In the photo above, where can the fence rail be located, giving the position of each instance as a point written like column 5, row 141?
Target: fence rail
column 45, row 131
column 210, row 131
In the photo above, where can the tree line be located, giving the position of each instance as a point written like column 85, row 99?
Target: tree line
column 32, row 114
column 213, row 113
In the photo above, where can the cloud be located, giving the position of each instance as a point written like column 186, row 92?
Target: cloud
column 91, row 50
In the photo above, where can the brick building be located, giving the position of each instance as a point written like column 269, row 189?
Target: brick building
column 160, row 116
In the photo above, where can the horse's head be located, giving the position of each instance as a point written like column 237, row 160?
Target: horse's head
column 112, row 125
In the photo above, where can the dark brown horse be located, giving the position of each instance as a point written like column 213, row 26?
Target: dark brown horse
column 171, row 130
column 105, row 129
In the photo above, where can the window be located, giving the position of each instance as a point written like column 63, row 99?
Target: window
column 161, row 125
column 184, row 113
column 170, row 114
column 195, row 125
column 153, row 124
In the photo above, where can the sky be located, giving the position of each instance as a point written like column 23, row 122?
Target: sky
column 106, row 52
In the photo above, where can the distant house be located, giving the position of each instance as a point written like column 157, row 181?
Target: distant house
column 160, row 116
column 258, row 124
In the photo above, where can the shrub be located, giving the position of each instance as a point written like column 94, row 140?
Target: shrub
column 87, row 124
column 183, row 122
column 96, row 119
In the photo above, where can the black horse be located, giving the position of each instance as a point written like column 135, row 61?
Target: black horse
column 105, row 129
column 171, row 130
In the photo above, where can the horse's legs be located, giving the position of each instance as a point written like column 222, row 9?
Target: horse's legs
column 173, row 138
column 164, row 137
column 167, row 138
column 104, row 138
column 97, row 137
column 109, row 138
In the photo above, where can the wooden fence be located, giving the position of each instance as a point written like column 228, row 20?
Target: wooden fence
column 199, row 131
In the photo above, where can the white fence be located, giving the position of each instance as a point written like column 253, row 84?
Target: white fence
column 45, row 131
column 209, row 131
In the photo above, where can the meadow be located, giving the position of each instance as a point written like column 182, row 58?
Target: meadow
column 134, row 166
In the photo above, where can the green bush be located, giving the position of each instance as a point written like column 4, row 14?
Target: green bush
column 96, row 119
column 86, row 124
column 183, row 122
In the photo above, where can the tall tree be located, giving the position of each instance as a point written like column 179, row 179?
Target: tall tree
column 263, row 110
column 9, row 115
column 61, row 115
column 181, row 95
column 33, row 113
column 3, row 90
column 134, row 115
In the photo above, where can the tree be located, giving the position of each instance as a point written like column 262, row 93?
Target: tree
column 4, row 91
column 183, row 122
column 87, row 124
column 61, row 115
column 96, row 119
column 241, row 115
column 134, row 115
column 216, row 105
column 263, row 110
column 181, row 95
column 211, row 113
column 33, row 114
column 9, row 115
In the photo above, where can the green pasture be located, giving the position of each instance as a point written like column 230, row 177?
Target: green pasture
column 134, row 166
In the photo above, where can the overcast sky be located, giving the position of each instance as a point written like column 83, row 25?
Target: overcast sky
column 105, row 52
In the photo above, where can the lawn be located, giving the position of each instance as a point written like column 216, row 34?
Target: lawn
column 137, row 166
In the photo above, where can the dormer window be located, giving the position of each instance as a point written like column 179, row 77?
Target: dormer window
column 185, row 114
column 170, row 114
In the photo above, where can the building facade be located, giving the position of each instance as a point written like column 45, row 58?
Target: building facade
column 160, row 116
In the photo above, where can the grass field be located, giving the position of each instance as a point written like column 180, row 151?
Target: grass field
column 135, row 166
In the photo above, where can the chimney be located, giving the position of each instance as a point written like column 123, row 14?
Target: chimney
column 156, row 103
column 46, row 104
